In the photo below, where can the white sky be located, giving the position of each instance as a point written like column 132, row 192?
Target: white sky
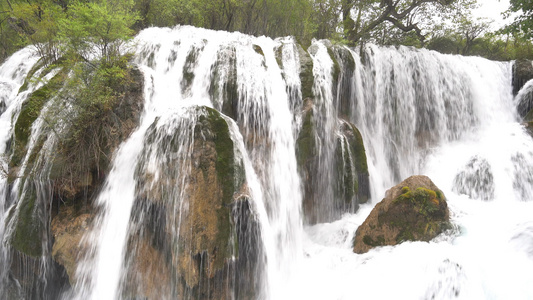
column 492, row 9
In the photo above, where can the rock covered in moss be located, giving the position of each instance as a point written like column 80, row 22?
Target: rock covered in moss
column 352, row 176
column 223, row 88
column 414, row 210
column 306, row 73
column 346, row 65
column 27, row 223
column 204, row 253
column 307, row 158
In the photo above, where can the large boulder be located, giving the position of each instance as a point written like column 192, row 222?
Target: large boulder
column 193, row 214
column 414, row 210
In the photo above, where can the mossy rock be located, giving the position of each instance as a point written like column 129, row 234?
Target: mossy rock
column 336, row 71
column 352, row 176
column 29, row 112
column 197, row 165
column 307, row 78
column 28, row 225
column 306, row 147
column 414, row 210
column 307, row 160
column 225, row 95
column 258, row 50
column 344, row 69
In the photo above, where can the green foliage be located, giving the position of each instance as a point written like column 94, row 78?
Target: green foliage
column 27, row 236
column 92, row 93
column 257, row 17
column 399, row 22
column 36, row 23
column 523, row 22
column 104, row 25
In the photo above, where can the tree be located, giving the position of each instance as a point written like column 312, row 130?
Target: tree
column 36, row 23
column 98, row 29
column 407, row 16
column 523, row 22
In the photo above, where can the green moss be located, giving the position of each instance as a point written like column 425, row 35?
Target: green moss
column 405, row 235
column 27, row 236
column 347, row 184
column 369, row 241
column 358, row 149
column 30, row 110
column 226, row 95
column 258, row 50
column 306, row 143
column 425, row 200
column 230, row 174
column 336, row 68
column 307, row 78
column 351, row 150
column 32, row 71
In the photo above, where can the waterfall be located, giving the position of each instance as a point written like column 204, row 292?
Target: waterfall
column 255, row 161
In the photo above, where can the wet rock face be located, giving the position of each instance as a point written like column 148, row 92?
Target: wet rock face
column 522, row 73
column 193, row 216
column 68, row 228
column 350, row 178
column 524, row 102
column 307, row 158
column 414, row 210
column 475, row 180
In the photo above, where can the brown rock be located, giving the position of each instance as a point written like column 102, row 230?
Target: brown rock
column 192, row 216
column 414, row 210
column 68, row 228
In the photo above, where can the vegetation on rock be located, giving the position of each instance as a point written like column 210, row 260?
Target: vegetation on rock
column 351, row 166
column 202, row 180
column 414, row 210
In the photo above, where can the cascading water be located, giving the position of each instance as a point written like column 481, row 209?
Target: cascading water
column 246, row 148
